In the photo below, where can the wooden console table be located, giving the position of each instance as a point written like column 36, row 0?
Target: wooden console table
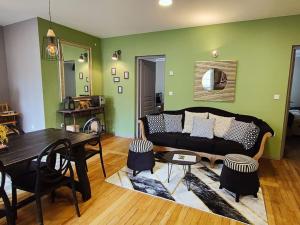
column 91, row 111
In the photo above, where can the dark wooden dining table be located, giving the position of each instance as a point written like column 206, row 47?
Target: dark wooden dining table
column 27, row 147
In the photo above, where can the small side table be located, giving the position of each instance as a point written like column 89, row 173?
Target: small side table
column 185, row 164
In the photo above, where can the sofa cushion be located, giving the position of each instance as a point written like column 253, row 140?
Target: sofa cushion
column 224, row 147
column 173, row 123
column 156, row 123
column 188, row 121
column 198, row 144
column 203, row 128
column 236, row 131
column 250, row 136
column 222, row 124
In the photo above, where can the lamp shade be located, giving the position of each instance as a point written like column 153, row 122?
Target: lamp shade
column 51, row 46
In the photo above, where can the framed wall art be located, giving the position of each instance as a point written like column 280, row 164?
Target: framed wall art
column 126, row 75
column 120, row 89
column 116, row 79
column 113, row 71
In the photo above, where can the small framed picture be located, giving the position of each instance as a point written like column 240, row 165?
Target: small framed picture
column 87, row 79
column 120, row 89
column 86, row 88
column 113, row 71
column 116, row 79
column 80, row 75
column 126, row 75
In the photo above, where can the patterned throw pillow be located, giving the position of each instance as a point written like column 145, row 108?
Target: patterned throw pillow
column 173, row 123
column 188, row 120
column 222, row 124
column 203, row 128
column 251, row 136
column 156, row 123
column 237, row 131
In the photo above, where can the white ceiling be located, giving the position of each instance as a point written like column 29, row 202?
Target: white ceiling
column 108, row 18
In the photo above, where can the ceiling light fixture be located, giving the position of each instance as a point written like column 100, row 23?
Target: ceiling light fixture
column 116, row 55
column 51, row 42
column 165, row 2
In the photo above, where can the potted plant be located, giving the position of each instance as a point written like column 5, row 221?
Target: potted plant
column 3, row 136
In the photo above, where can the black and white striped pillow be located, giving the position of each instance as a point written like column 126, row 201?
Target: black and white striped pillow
column 156, row 123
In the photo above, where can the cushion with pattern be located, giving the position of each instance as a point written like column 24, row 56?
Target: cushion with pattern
column 173, row 123
column 250, row 136
column 237, row 131
column 156, row 123
column 203, row 128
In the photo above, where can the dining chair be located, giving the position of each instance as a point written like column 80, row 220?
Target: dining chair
column 93, row 126
column 7, row 210
column 45, row 176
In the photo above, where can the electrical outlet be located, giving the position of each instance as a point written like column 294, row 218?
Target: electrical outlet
column 62, row 125
column 171, row 93
column 171, row 73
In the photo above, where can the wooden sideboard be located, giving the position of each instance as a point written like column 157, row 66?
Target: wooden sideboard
column 88, row 112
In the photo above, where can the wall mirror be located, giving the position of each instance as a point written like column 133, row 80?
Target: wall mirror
column 214, row 79
column 75, row 70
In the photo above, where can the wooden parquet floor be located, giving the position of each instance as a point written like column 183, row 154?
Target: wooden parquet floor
column 280, row 181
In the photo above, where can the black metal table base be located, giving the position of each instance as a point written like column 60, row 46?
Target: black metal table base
column 186, row 170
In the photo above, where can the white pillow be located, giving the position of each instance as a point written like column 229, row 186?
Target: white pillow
column 203, row 128
column 189, row 119
column 222, row 124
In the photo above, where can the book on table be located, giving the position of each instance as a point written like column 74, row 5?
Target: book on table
column 184, row 158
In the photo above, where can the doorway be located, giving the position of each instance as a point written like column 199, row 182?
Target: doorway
column 291, row 138
column 150, row 83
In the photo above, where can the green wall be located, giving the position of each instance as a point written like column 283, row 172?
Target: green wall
column 262, row 48
column 50, row 75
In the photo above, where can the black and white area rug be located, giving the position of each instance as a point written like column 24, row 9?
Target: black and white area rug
column 205, row 194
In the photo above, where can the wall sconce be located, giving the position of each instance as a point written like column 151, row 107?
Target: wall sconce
column 82, row 58
column 215, row 53
column 116, row 55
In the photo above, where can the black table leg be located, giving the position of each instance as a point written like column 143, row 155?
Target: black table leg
column 169, row 171
column 83, row 184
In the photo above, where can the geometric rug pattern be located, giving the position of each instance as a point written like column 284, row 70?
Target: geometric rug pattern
column 204, row 195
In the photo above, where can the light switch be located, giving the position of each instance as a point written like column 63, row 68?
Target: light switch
column 276, row 97
column 171, row 73
column 171, row 93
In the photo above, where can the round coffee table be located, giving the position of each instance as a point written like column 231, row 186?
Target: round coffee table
column 168, row 157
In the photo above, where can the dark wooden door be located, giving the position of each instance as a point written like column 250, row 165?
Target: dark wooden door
column 147, row 87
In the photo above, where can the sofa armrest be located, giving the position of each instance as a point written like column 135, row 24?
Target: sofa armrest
column 262, row 145
column 142, row 130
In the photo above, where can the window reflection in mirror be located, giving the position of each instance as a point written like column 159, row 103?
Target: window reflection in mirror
column 214, row 79
column 75, row 74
